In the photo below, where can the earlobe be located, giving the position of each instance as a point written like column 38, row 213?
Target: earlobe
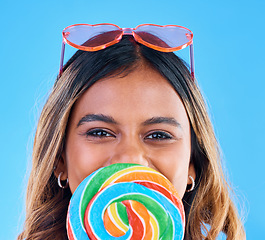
column 191, row 178
column 61, row 168
column 191, row 173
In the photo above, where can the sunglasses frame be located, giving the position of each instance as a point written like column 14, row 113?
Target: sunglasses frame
column 127, row 31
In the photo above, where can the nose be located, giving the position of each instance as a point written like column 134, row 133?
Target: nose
column 129, row 152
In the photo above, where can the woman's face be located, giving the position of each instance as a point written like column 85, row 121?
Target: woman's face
column 138, row 118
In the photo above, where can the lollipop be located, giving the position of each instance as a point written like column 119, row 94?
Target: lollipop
column 125, row 201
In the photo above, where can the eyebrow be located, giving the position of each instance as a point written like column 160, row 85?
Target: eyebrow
column 109, row 119
column 166, row 120
column 96, row 117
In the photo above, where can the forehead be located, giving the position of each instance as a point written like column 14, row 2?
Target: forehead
column 143, row 92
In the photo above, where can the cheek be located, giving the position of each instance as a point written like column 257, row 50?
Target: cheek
column 82, row 160
column 180, row 180
column 174, row 164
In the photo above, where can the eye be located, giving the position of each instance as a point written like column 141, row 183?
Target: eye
column 98, row 133
column 159, row 135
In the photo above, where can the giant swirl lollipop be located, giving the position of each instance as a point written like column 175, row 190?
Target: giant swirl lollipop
column 125, row 201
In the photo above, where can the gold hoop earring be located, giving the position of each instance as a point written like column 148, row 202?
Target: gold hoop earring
column 60, row 183
column 192, row 184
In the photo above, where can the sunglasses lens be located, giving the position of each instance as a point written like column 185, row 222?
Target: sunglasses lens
column 165, row 36
column 91, row 36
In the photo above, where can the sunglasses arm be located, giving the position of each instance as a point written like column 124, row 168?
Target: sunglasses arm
column 192, row 61
column 62, row 58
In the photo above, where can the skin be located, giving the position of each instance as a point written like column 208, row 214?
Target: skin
column 138, row 118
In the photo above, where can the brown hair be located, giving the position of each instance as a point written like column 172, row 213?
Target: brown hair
column 209, row 209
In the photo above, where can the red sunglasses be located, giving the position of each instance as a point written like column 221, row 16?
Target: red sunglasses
column 168, row 38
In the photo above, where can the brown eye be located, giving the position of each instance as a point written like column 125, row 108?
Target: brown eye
column 159, row 135
column 98, row 133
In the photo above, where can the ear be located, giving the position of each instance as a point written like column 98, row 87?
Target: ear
column 192, row 173
column 61, row 167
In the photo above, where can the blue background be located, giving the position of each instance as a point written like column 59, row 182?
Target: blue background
column 229, row 65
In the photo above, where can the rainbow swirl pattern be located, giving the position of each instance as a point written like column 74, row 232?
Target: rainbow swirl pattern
column 125, row 201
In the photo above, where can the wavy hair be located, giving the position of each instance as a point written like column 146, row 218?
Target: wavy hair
column 209, row 208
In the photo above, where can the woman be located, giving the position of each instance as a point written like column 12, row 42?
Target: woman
column 127, row 103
